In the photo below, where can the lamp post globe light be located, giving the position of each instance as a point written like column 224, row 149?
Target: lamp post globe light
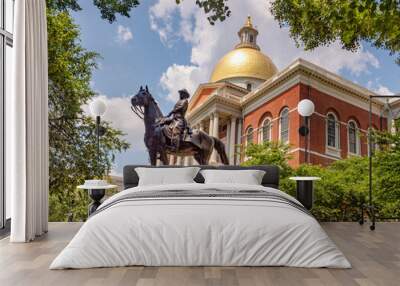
column 305, row 108
column 96, row 192
column 98, row 108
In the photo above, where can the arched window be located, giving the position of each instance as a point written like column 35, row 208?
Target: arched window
column 249, row 135
column 353, row 139
column 251, row 38
column 332, row 131
column 265, row 134
column 249, row 86
column 284, row 125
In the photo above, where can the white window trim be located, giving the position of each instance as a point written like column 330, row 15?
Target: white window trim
column 246, row 142
column 330, row 150
column 280, row 125
column 251, row 86
column 358, row 145
column 247, row 134
column 261, row 130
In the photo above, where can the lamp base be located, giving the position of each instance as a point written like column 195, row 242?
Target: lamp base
column 370, row 211
column 305, row 193
column 96, row 195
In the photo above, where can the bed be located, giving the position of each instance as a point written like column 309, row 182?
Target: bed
column 198, row 224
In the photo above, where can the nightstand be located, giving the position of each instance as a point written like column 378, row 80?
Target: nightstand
column 96, row 193
column 305, row 190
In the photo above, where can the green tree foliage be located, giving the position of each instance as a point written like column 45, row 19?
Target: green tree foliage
column 269, row 153
column 317, row 23
column 344, row 185
column 272, row 153
column 342, row 190
column 109, row 9
column 73, row 150
column 387, row 174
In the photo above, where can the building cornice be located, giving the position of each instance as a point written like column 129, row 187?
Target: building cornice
column 205, row 108
column 216, row 86
column 300, row 71
column 312, row 71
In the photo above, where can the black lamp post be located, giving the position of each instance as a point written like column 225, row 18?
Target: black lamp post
column 306, row 109
column 98, row 108
column 370, row 208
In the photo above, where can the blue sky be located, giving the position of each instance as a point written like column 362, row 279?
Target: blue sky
column 170, row 47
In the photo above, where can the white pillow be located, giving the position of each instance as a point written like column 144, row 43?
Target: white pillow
column 166, row 176
column 248, row 177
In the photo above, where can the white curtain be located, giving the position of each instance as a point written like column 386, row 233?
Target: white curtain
column 27, row 122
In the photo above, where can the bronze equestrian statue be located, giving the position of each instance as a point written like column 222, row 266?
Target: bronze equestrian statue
column 171, row 134
column 177, row 127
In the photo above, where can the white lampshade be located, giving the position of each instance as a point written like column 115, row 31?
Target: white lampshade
column 97, row 107
column 305, row 107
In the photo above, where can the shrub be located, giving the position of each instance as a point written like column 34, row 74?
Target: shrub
column 344, row 185
column 269, row 153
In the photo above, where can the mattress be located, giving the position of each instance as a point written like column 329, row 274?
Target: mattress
column 201, row 225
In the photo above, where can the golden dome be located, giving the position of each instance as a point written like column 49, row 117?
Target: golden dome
column 245, row 60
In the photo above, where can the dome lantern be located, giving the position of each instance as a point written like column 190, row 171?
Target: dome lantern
column 248, row 36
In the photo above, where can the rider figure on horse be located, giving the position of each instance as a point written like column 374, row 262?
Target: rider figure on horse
column 177, row 124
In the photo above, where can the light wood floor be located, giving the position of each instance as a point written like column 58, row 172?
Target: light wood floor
column 375, row 257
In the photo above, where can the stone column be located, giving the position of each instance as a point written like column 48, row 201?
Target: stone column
column 232, row 148
column 216, row 125
column 228, row 138
column 186, row 161
column 239, row 141
column 201, row 126
column 215, row 133
column 210, row 129
column 171, row 160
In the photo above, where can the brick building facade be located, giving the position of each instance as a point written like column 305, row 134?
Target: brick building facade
column 249, row 100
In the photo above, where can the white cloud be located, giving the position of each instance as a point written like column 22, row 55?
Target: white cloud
column 161, row 20
column 209, row 43
column 383, row 90
column 121, row 117
column 378, row 88
column 178, row 77
column 124, row 34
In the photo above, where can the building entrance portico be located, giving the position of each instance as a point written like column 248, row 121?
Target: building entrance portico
column 219, row 121
column 220, row 124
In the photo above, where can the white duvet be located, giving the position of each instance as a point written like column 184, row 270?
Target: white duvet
column 200, row 231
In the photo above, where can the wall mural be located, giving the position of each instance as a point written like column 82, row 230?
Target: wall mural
column 171, row 134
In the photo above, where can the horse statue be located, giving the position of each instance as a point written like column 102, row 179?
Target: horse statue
column 200, row 145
